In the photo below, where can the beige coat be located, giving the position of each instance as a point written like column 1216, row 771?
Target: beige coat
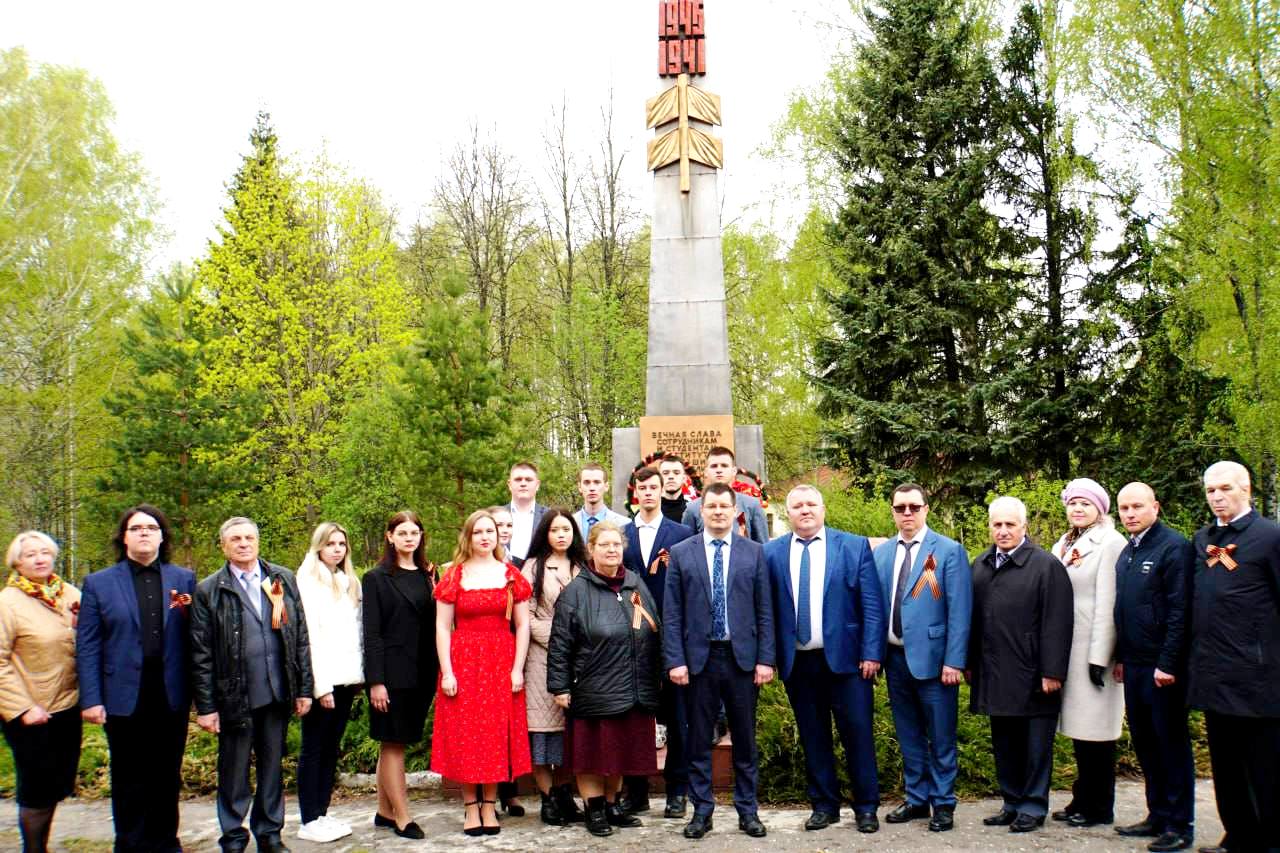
column 37, row 654
column 1089, row 712
column 544, row 714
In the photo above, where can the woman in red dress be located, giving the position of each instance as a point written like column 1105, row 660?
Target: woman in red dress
column 481, row 733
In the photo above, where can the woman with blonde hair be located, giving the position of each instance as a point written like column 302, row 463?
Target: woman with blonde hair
column 39, row 691
column 331, row 603
column 481, row 735
column 1092, row 703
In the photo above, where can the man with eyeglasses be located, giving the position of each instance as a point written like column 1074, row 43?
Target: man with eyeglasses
column 929, row 594
column 133, row 659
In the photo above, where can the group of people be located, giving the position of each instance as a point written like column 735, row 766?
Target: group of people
column 567, row 644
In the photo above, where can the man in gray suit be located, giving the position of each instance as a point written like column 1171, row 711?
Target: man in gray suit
column 722, row 467
column 251, row 668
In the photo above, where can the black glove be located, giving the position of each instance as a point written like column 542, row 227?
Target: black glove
column 1097, row 675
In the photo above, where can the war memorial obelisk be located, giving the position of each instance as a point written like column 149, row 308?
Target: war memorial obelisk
column 688, row 402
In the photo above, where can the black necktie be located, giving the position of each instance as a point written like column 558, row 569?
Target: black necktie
column 901, row 588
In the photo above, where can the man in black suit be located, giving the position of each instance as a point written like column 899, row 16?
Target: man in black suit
column 526, row 512
column 649, row 539
column 1235, row 652
column 717, row 638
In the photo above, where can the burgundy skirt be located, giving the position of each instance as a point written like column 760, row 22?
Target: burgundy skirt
column 611, row 746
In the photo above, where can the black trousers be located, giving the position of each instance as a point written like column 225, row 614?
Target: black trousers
column 146, row 768
column 1093, row 794
column 1023, row 748
column 673, row 714
column 722, row 681
column 1158, row 726
column 322, row 730
column 1245, row 754
column 263, row 737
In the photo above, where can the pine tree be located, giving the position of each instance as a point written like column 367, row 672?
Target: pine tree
column 172, row 436
column 916, row 369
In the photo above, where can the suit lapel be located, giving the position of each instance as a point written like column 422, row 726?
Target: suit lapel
column 789, row 540
column 704, row 573
column 832, row 561
column 124, row 580
column 917, row 565
column 397, row 580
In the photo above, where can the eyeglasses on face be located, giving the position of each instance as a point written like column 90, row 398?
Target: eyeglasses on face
column 141, row 528
column 904, row 509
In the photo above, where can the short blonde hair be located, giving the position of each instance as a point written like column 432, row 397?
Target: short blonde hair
column 604, row 527
column 14, row 553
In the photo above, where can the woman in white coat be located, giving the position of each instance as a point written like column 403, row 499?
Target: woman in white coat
column 331, row 605
column 1092, row 703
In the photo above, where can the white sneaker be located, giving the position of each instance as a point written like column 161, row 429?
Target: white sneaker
column 320, row 832
column 337, row 825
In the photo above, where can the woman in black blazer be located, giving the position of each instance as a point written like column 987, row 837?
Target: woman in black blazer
column 400, row 664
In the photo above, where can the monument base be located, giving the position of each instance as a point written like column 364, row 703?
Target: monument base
column 748, row 448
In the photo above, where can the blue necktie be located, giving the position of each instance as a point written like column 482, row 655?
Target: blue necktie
column 251, row 591
column 804, row 631
column 719, row 608
column 591, row 522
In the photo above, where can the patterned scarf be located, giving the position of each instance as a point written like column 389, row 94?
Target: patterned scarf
column 47, row 594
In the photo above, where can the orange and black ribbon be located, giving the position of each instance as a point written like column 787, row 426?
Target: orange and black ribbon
column 511, row 600
column 662, row 559
column 1075, row 557
column 275, row 594
column 1222, row 555
column 180, row 600
column 638, row 612
column 928, row 577
column 75, row 614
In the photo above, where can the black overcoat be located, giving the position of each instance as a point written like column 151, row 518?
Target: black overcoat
column 1020, row 632
column 399, row 639
column 1235, row 623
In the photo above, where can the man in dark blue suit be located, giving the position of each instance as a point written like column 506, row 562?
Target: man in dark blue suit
column 133, row 658
column 926, row 582
column 828, row 616
column 717, row 638
column 649, row 540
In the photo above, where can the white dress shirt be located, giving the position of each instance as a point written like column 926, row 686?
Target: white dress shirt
column 898, row 554
column 817, row 582
column 648, row 532
column 1243, row 513
column 711, row 575
column 521, row 531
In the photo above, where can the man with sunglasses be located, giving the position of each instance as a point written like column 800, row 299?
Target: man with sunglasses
column 929, row 595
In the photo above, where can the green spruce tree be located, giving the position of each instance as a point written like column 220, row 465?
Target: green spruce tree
column 917, row 368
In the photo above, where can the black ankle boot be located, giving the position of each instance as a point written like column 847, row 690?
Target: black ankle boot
column 617, row 817
column 551, row 811
column 597, row 820
column 568, row 806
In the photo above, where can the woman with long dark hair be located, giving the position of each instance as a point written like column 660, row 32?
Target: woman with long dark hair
column 556, row 555
column 400, row 663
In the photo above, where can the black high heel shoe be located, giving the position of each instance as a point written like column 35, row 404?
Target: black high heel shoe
column 512, row 807
column 473, row 831
column 484, row 827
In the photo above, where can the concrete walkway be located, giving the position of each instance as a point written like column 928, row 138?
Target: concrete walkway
column 84, row 826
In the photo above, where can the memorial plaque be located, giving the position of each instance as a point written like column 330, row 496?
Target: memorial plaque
column 687, row 436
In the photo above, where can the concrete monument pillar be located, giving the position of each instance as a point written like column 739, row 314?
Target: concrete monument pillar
column 688, row 374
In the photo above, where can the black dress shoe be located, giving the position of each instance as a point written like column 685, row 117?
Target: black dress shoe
column 1063, row 815
column 617, row 817
column 1170, row 840
column 751, row 825
column 677, row 805
column 821, row 820
column 412, row 830
column 1145, row 829
column 1082, row 820
column 867, row 822
column 1004, row 817
column 698, row 826
column 943, row 819
column 906, row 812
column 596, row 817
column 1026, row 823
column 379, row 820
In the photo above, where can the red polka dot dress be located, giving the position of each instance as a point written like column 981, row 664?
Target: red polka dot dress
column 481, row 734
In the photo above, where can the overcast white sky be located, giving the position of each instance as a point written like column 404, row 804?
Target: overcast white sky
column 390, row 88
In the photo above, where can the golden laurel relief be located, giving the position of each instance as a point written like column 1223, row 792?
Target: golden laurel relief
column 684, row 143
